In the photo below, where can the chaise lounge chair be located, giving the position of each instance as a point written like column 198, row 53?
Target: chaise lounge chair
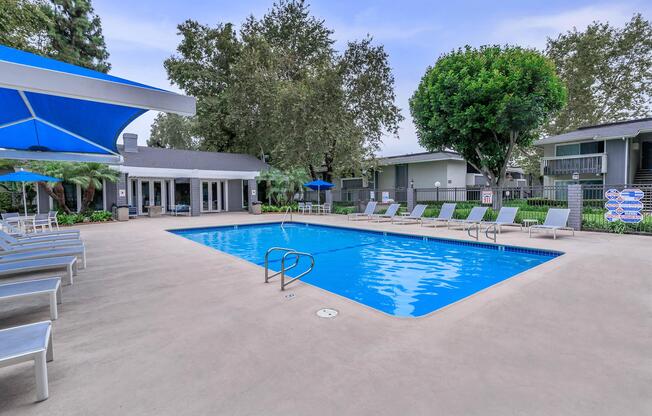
column 40, row 265
column 7, row 256
column 445, row 215
column 475, row 217
column 556, row 219
column 70, row 239
column 31, row 342
column 50, row 286
column 366, row 215
column 415, row 216
column 387, row 215
column 506, row 216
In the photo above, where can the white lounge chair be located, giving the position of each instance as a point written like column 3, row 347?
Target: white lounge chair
column 67, row 233
column 415, row 217
column 7, row 256
column 475, row 217
column 445, row 215
column 44, row 245
column 67, row 239
column 31, row 342
column 50, row 286
column 556, row 219
column 387, row 215
column 506, row 216
column 363, row 216
column 40, row 265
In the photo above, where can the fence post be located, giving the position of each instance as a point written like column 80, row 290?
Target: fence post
column 411, row 198
column 575, row 204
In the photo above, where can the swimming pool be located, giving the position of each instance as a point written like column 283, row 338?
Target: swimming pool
column 401, row 275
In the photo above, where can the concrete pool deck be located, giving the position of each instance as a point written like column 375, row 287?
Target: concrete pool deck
column 160, row 325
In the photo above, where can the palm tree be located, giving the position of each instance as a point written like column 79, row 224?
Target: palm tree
column 55, row 190
column 90, row 176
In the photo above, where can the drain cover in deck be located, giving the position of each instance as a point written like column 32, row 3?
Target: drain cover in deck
column 327, row 313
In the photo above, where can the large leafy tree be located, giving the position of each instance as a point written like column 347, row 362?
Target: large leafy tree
column 608, row 72
column 172, row 131
column 90, row 176
column 485, row 102
column 24, row 24
column 76, row 34
column 278, row 88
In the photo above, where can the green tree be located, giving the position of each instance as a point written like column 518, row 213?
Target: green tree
column 608, row 73
column 282, row 186
column 76, row 34
column 55, row 190
column 90, row 177
column 24, row 25
column 278, row 88
column 485, row 102
column 172, row 131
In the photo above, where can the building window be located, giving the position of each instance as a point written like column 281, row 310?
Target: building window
column 576, row 149
column 352, row 183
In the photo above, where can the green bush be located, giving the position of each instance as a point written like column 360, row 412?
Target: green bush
column 100, row 216
column 95, row 216
column 277, row 208
column 343, row 210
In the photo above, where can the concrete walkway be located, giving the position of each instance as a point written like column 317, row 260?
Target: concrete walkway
column 160, row 325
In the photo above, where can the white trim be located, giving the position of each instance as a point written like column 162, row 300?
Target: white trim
column 27, row 103
column 580, row 143
column 22, row 77
column 112, row 159
column 135, row 171
column 226, row 195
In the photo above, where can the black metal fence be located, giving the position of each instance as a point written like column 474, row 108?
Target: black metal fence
column 533, row 202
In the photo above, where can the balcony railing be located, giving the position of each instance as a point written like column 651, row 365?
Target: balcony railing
column 567, row 165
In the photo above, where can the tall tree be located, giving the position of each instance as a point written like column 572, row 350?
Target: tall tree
column 76, row 35
column 172, row 131
column 278, row 88
column 24, row 25
column 90, row 176
column 485, row 102
column 608, row 73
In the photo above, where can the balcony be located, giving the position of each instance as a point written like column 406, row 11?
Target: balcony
column 567, row 165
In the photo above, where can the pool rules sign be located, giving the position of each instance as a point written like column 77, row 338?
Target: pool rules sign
column 624, row 205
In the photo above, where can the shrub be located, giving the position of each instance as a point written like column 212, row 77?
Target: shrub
column 95, row 216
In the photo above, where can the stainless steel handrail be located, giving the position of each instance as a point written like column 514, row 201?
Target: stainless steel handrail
column 486, row 232
column 475, row 226
column 267, row 276
column 298, row 255
column 288, row 209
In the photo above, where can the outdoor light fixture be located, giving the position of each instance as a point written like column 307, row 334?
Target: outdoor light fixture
column 411, row 183
column 437, row 184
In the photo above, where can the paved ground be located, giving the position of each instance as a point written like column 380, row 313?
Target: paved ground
column 160, row 325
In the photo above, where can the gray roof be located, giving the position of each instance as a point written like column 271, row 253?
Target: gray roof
column 418, row 157
column 154, row 157
column 631, row 128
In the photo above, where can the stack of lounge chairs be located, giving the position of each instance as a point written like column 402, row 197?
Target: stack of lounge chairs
column 22, row 253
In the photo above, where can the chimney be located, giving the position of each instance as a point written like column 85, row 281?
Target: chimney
column 131, row 142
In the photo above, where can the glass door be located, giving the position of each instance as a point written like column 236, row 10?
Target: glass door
column 144, row 196
column 205, row 196
column 158, row 193
column 215, row 206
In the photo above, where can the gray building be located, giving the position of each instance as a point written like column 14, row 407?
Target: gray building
column 206, row 181
column 610, row 154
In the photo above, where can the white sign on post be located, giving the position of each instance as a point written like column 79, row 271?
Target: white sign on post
column 372, row 195
column 487, row 196
column 385, row 197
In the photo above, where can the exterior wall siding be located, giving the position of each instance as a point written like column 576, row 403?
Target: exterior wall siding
column 616, row 158
column 455, row 173
column 235, row 195
column 425, row 174
column 195, row 197
column 386, row 177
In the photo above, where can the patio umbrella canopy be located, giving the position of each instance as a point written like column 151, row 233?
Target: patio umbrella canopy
column 318, row 185
column 51, row 110
column 24, row 176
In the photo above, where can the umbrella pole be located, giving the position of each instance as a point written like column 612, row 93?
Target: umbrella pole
column 24, row 199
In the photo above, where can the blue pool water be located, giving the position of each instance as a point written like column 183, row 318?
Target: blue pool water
column 401, row 275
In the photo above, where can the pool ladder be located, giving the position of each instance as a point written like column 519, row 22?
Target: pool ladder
column 476, row 227
column 287, row 210
column 288, row 252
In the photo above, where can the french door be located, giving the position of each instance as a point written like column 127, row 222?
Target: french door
column 146, row 192
column 213, row 196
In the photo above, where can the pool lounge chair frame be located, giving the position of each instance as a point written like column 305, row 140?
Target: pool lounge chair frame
column 506, row 216
column 13, row 352
column 50, row 286
column 41, row 265
column 8, row 256
column 364, row 216
column 415, row 217
column 387, row 215
column 556, row 219
column 445, row 216
column 474, row 218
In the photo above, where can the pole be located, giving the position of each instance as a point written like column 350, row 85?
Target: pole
column 318, row 189
column 24, row 199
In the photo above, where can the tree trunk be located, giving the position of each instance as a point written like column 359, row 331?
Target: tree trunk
column 87, row 199
column 58, row 194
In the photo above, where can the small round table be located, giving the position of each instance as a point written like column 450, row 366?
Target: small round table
column 527, row 223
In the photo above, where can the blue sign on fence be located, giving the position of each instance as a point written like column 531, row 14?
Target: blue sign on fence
column 624, row 206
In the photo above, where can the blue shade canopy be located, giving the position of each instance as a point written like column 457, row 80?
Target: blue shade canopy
column 24, row 176
column 58, row 111
column 319, row 184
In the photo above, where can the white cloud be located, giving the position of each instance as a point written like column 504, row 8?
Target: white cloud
column 130, row 32
column 533, row 30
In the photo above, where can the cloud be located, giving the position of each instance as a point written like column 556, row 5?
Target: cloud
column 533, row 30
column 133, row 33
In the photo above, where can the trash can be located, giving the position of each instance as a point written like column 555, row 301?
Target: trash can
column 122, row 213
column 256, row 208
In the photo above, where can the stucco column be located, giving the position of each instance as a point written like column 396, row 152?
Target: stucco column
column 253, row 192
column 575, row 204
column 411, row 198
column 195, row 197
column 121, row 189
column 329, row 197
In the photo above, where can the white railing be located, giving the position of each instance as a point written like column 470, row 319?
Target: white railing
column 567, row 165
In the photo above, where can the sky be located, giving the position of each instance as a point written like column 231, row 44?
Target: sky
column 140, row 35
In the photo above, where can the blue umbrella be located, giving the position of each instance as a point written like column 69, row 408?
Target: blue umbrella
column 51, row 110
column 318, row 185
column 24, row 176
